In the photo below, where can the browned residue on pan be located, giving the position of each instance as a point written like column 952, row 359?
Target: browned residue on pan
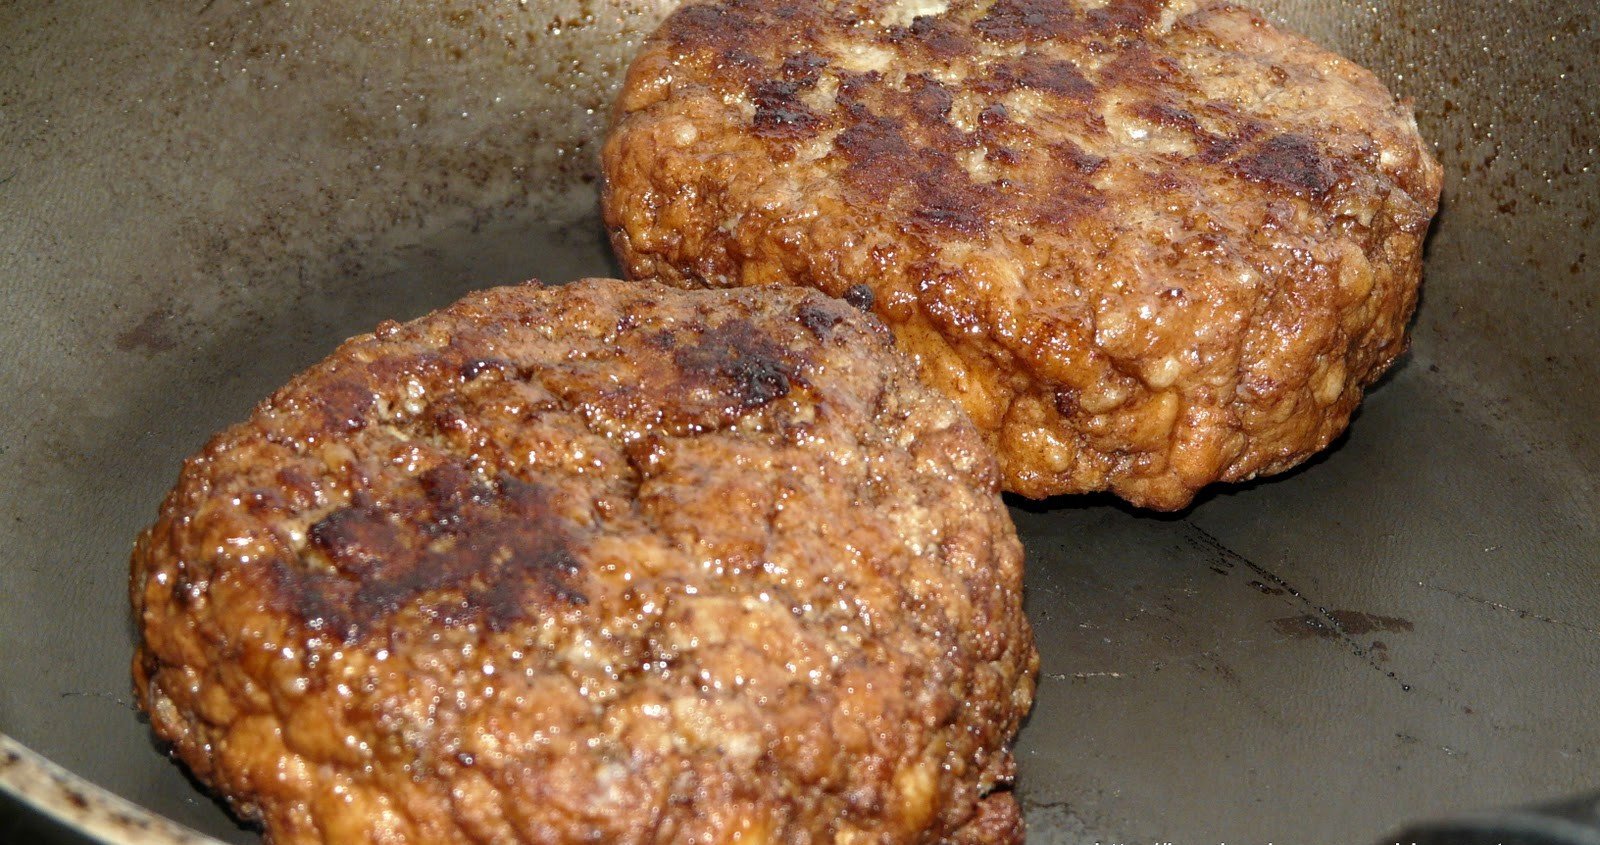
column 1335, row 622
column 152, row 334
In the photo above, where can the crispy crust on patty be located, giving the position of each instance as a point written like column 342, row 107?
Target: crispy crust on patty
column 1148, row 245
column 608, row 562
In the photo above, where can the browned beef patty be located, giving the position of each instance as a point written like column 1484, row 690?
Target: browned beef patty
column 609, row 562
column 1149, row 245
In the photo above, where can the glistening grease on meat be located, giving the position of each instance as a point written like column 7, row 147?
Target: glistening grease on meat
column 1148, row 244
column 608, row 562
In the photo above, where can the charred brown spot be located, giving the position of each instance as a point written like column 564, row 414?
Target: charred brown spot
column 734, row 31
column 1029, row 20
column 938, row 36
column 741, row 58
column 299, row 487
column 956, row 203
column 853, row 86
column 907, row 157
column 1066, row 401
column 1071, row 196
column 462, row 550
column 357, row 539
column 779, row 111
column 1213, row 147
column 1062, row 78
column 803, row 68
column 1002, row 139
column 1140, row 67
column 1124, row 16
column 721, row 26
column 859, row 296
column 930, row 101
column 344, row 405
column 818, row 319
column 1165, row 114
column 879, row 156
column 449, row 489
column 1044, row 20
column 904, row 153
column 739, row 361
column 1074, row 157
column 1287, row 161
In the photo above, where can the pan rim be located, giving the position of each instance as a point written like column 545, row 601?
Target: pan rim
column 83, row 806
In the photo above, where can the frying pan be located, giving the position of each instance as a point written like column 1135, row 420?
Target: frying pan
column 198, row 199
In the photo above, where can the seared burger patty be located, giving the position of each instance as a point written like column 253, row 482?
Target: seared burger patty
column 1149, row 245
column 601, row 563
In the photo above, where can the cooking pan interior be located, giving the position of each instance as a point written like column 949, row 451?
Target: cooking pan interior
column 199, row 199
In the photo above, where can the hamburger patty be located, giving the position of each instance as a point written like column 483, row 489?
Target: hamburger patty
column 609, row 562
column 1148, row 245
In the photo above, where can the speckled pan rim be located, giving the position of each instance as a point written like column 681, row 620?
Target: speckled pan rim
column 82, row 806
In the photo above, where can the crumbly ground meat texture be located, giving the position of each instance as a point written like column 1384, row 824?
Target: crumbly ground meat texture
column 609, row 562
column 1148, row 245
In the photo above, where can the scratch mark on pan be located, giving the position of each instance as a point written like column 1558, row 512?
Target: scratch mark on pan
column 1062, row 676
column 1328, row 619
column 1518, row 612
column 105, row 695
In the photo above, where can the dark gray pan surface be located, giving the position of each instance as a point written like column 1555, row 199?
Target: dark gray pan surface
column 198, row 200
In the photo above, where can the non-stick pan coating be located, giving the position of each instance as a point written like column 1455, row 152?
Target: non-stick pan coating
column 199, row 199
